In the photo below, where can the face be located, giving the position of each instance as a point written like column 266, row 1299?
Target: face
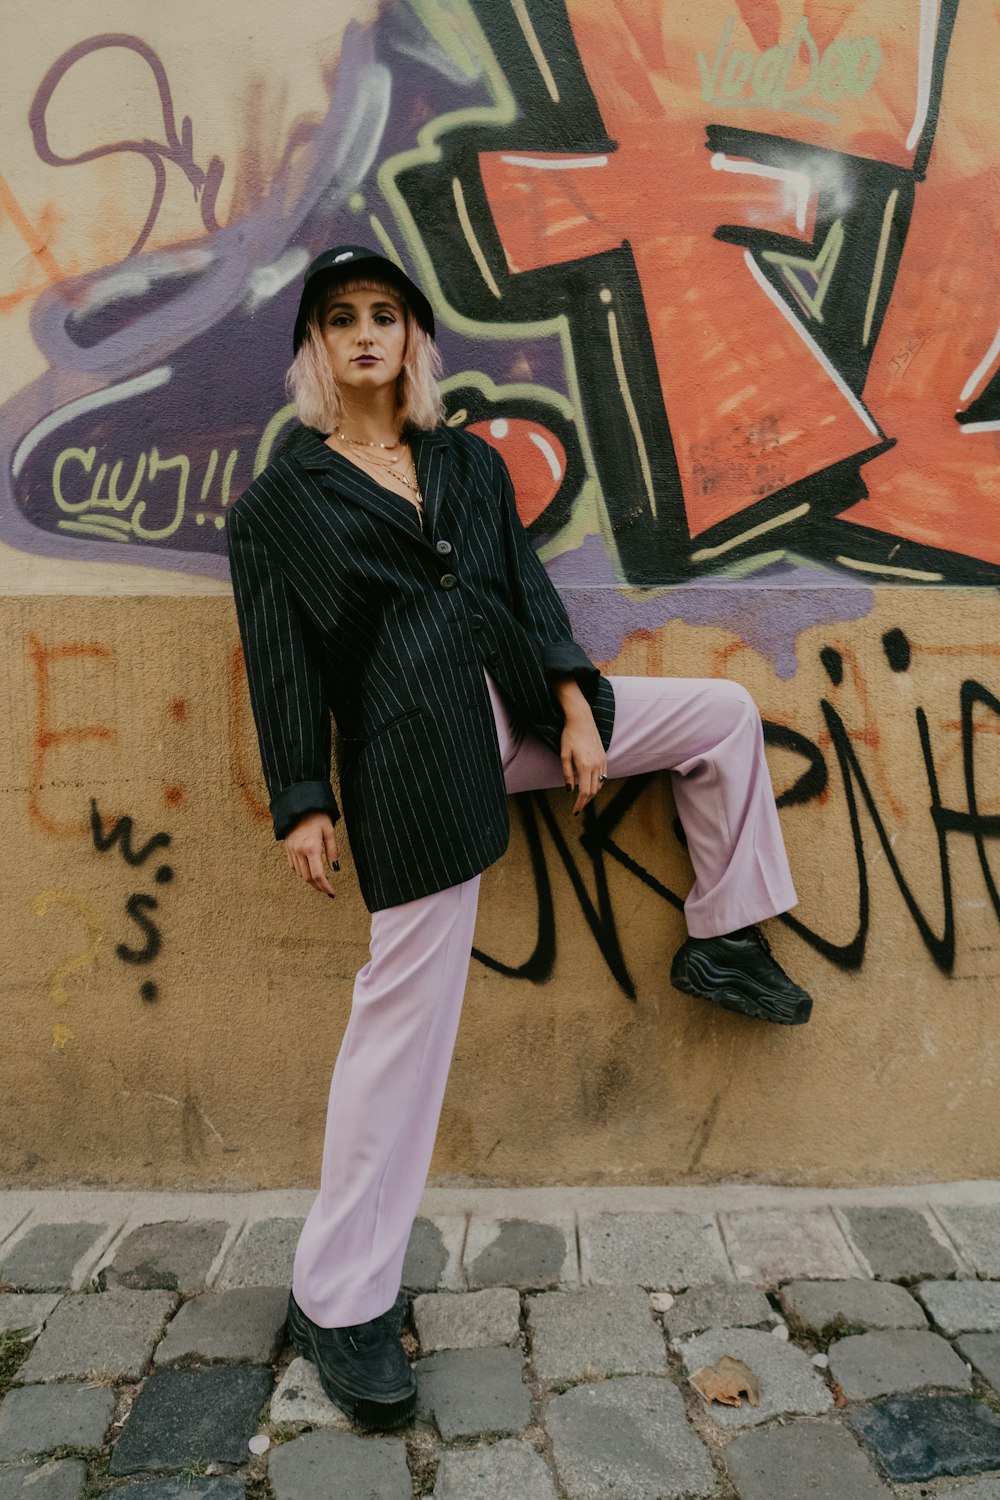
column 364, row 333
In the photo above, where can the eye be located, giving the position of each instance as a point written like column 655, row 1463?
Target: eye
column 386, row 317
column 339, row 320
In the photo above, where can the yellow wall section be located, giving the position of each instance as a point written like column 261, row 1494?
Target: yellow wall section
column 138, row 707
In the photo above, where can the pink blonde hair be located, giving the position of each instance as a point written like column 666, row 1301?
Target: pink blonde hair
column 311, row 384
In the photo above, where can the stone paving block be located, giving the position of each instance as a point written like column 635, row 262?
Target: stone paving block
column 987, row 1488
column 719, row 1305
column 38, row 1418
column 789, row 1383
column 262, row 1256
column 819, row 1305
column 471, row 1391
column 111, row 1331
column 175, row 1255
column 299, row 1397
column 982, row 1350
column 467, row 1320
column 340, row 1466
column 817, row 1459
column 916, row 1438
column 59, row 1479
column 887, row 1364
column 42, row 1260
column 507, row 1470
column 188, row 1416
column 521, row 1252
column 898, row 1244
column 25, row 1312
column 772, row 1245
column 434, row 1254
column 244, row 1324
column 976, row 1232
column 962, row 1306
column 426, row 1256
column 629, row 1439
column 188, row 1487
column 600, row 1331
column 658, row 1251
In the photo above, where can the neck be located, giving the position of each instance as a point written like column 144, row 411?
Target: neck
column 372, row 420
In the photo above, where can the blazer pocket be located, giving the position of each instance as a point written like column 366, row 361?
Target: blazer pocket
column 372, row 731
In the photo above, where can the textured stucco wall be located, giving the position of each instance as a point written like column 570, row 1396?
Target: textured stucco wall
column 721, row 286
column 135, row 709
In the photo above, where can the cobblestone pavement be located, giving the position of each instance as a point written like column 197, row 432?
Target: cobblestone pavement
column 554, row 1333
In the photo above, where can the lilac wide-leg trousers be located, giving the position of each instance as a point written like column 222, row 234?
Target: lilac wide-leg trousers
column 389, row 1079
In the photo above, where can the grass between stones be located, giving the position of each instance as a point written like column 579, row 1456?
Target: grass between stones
column 13, row 1352
column 422, row 1456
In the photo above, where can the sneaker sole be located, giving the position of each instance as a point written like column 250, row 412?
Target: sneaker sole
column 706, row 983
column 364, row 1410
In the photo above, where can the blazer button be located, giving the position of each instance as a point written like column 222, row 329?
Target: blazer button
column 443, row 547
column 477, row 622
column 447, row 580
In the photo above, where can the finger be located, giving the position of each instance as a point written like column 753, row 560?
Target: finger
column 589, row 787
column 567, row 769
column 317, row 875
column 582, row 797
column 330, row 843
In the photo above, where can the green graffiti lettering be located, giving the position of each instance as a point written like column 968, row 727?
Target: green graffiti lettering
column 846, row 66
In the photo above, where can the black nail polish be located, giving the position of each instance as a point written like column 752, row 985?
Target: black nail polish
column 336, row 864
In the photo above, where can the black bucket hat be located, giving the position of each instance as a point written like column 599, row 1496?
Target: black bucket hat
column 343, row 260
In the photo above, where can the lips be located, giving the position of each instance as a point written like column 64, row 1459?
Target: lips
column 365, row 359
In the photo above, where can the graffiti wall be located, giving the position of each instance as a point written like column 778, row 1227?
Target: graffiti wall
column 718, row 280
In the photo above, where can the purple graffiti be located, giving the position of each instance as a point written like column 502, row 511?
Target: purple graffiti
column 767, row 613
column 177, row 148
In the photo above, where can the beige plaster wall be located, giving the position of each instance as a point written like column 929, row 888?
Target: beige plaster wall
column 136, row 709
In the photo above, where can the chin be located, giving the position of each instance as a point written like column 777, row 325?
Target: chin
column 368, row 380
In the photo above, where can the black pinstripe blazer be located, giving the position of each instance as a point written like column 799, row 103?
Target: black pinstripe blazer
column 345, row 607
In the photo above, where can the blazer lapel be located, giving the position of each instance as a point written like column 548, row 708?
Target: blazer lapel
column 353, row 484
column 432, row 456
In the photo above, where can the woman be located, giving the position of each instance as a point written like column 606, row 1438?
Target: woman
column 381, row 574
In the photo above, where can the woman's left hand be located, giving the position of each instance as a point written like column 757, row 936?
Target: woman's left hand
column 584, row 762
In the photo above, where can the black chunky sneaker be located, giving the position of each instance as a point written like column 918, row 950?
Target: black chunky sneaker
column 362, row 1368
column 739, row 972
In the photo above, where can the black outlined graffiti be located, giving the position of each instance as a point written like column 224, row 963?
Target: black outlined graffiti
column 869, row 215
column 138, row 906
column 598, row 843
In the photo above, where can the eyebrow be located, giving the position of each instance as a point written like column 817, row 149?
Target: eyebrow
column 338, row 302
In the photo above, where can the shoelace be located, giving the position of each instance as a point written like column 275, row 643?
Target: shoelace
column 354, row 1328
column 761, row 940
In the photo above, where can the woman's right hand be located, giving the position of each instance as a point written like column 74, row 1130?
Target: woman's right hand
column 311, row 838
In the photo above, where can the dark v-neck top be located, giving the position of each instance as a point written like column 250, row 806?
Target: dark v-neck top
column 406, row 507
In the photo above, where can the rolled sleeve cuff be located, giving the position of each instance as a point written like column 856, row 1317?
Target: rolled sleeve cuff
column 293, row 802
column 567, row 659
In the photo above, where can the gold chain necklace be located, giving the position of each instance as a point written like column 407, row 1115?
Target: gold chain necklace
column 411, row 485
column 361, row 443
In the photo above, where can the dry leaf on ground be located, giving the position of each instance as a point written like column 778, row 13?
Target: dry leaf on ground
column 726, row 1381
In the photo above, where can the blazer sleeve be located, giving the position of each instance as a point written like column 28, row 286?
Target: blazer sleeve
column 537, row 602
column 290, row 706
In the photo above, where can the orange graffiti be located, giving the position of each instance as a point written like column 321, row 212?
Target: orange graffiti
column 48, row 737
column 37, row 241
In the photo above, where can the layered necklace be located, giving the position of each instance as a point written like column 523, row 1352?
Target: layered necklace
column 386, row 462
